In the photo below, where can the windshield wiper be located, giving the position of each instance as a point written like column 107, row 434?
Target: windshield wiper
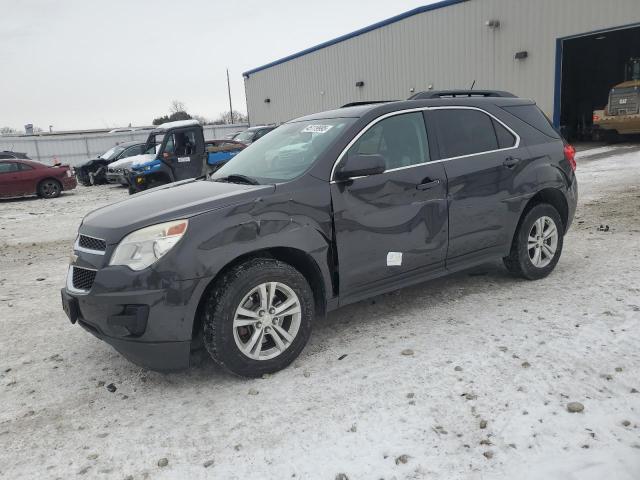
column 237, row 178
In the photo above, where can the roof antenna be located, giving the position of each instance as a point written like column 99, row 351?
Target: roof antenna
column 473, row 85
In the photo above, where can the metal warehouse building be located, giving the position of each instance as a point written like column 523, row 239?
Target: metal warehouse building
column 564, row 54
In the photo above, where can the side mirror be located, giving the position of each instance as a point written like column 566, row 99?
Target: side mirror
column 360, row 166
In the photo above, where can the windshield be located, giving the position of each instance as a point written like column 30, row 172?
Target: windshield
column 245, row 136
column 286, row 152
column 112, row 153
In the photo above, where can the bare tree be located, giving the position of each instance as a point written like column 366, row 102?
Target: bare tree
column 7, row 130
column 177, row 106
column 225, row 118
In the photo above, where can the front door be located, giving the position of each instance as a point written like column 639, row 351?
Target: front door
column 392, row 226
column 187, row 154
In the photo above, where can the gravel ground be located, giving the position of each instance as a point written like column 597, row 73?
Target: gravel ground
column 467, row 377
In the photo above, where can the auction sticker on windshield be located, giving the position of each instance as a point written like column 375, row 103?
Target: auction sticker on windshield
column 317, row 128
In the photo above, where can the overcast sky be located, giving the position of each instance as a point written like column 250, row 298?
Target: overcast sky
column 107, row 63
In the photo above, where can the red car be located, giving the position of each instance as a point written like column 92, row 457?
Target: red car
column 20, row 176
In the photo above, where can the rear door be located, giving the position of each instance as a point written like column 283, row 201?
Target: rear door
column 10, row 179
column 481, row 157
column 393, row 226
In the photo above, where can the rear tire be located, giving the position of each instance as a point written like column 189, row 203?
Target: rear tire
column 537, row 245
column 244, row 329
column 49, row 188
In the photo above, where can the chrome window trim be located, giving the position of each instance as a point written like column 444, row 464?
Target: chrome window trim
column 422, row 109
column 76, row 245
column 70, row 286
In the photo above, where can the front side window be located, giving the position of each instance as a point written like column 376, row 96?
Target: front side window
column 8, row 167
column 185, row 142
column 401, row 140
column 112, row 153
column 287, row 152
column 131, row 151
column 464, row 132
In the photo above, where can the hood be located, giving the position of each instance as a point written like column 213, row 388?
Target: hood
column 171, row 202
column 128, row 161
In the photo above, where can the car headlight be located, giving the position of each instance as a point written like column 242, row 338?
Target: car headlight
column 144, row 247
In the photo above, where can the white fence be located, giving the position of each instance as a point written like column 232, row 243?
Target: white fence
column 74, row 149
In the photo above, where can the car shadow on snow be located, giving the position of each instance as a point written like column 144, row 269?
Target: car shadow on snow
column 339, row 324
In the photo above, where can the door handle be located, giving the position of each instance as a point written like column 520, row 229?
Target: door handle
column 428, row 184
column 511, row 162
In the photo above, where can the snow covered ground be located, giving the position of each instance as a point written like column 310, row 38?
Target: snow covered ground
column 486, row 350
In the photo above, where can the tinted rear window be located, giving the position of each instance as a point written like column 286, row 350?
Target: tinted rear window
column 505, row 137
column 464, row 132
column 533, row 116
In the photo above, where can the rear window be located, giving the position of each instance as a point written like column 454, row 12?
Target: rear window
column 464, row 132
column 533, row 116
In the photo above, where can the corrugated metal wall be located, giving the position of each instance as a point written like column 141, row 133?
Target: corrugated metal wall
column 447, row 48
column 74, row 149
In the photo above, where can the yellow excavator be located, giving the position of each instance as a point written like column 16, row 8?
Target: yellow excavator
column 621, row 116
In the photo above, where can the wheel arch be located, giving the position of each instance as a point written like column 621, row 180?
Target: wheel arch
column 42, row 180
column 298, row 259
column 553, row 197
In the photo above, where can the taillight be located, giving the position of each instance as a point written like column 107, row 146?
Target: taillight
column 570, row 155
column 596, row 118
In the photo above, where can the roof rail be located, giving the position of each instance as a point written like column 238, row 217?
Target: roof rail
column 460, row 93
column 371, row 102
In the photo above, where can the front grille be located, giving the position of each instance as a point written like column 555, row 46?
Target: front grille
column 83, row 278
column 629, row 105
column 91, row 243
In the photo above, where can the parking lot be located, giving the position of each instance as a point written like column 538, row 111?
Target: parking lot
column 463, row 377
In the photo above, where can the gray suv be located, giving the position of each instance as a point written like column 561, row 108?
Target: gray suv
column 327, row 210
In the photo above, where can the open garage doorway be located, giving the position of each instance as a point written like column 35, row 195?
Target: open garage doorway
column 589, row 66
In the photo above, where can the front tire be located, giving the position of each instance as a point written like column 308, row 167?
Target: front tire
column 49, row 188
column 537, row 245
column 258, row 317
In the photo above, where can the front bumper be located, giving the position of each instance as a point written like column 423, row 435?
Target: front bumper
column 69, row 183
column 116, row 177
column 151, row 327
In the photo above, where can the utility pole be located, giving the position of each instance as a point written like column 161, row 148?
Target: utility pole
column 229, row 89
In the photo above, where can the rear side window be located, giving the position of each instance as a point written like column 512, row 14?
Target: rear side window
column 533, row 116
column 505, row 137
column 464, row 132
column 401, row 140
column 8, row 167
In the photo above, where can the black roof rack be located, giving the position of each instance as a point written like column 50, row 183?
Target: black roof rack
column 371, row 102
column 460, row 94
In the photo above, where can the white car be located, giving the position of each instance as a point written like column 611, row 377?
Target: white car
column 118, row 171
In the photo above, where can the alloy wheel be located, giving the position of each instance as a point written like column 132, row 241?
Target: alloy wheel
column 50, row 189
column 267, row 321
column 542, row 242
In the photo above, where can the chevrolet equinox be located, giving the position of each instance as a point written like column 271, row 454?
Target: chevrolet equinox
column 326, row 210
